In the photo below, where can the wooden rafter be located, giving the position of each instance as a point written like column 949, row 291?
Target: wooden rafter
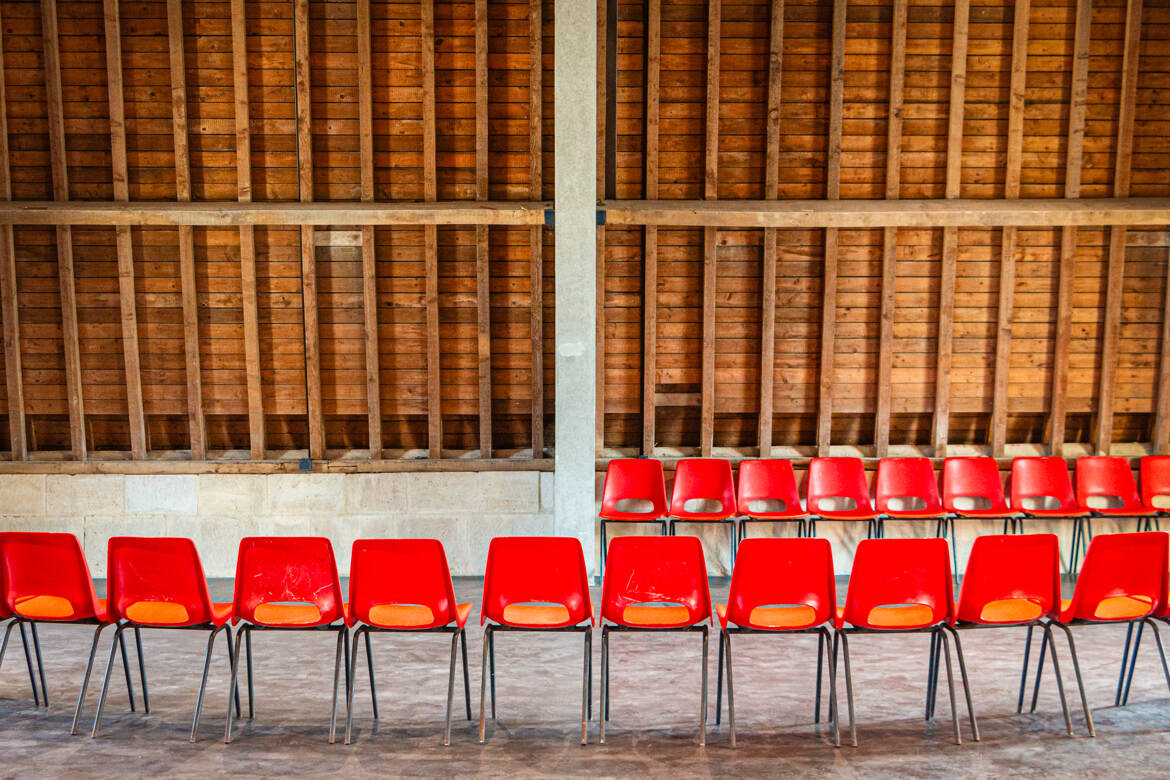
column 123, row 239
column 881, row 421
column 832, row 192
column 1161, row 443
column 1068, row 236
column 9, row 306
column 483, row 272
column 248, row 303
column 950, row 251
column 1121, row 182
column 60, row 173
column 369, row 258
column 430, row 233
column 771, row 192
column 1007, row 256
column 536, row 234
column 650, row 264
column 710, row 234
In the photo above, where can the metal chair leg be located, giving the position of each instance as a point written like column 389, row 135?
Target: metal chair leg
column 101, row 705
column 1124, row 663
column 345, row 656
column 603, row 707
column 1161, row 650
column 824, row 634
column 966, row 682
column 589, row 672
column 450, row 686
column 1059, row 680
column 4, row 648
column 848, row 686
column 601, row 572
column 483, row 679
column 820, row 663
column 40, row 663
column 1024, row 670
column 491, row 640
column 946, row 651
column 1044, row 641
column 231, row 654
column 466, row 677
column 240, row 640
column 1072, row 649
column 585, row 686
column 251, row 692
column 730, row 692
column 1132, row 661
column 351, row 683
column 370, row 665
column 930, row 677
column 141, row 669
column 28, row 659
column 703, row 704
column 126, row 668
column 85, row 679
column 202, row 685
column 342, row 646
column 719, row 683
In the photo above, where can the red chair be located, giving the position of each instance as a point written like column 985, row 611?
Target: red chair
column 1041, row 488
column 10, row 623
column 403, row 586
column 535, row 583
column 287, row 583
column 1124, row 580
column 707, row 480
column 1011, row 580
column 971, row 487
column 655, row 584
column 903, row 585
column 1108, row 482
column 840, row 480
column 912, row 480
column 796, row 574
column 46, row 580
column 1154, row 472
column 158, row 582
column 768, row 494
column 634, row 492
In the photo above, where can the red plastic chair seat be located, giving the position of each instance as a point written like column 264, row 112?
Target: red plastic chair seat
column 792, row 618
column 537, row 616
column 899, row 584
column 1047, row 476
column 46, row 578
column 407, row 616
column 1011, row 579
column 288, row 582
column 158, row 581
column 703, row 478
column 908, row 478
column 830, row 478
column 633, row 479
column 974, row 477
column 536, row 582
column 1124, row 578
column 990, row 512
column 656, row 582
column 914, row 514
column 770, row 479
column 847, row 514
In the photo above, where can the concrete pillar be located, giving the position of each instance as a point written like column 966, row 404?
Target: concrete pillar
column 575, row 94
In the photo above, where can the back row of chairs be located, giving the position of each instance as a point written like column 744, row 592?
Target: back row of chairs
column 905, row 489
column 779, row 586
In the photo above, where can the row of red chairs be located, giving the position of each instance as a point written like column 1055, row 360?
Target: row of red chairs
column 540, row 584
column 906, row 488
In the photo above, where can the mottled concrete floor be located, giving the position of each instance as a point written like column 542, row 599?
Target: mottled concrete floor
column 652, row 731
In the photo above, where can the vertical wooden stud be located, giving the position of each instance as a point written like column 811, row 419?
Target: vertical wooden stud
column 710, row 234
column 483, row 277
column 650, row 252
column 771, row 192
column 431, row 235
column 536, row 232
column 369, row 258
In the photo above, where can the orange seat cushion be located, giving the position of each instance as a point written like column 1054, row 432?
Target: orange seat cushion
column 783, row 617
column 287, row 614
column 157, row 613
column 1010, row 611
column 536, row 614
column 401, row 615
column 461, row 612
column 45, row 607
column 643, row 615
column 1123, row 607
column 900, row 616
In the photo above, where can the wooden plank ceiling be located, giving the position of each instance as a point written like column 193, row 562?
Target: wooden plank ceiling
column 318, row 228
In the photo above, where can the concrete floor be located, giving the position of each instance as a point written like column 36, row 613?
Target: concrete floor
column 654, row 716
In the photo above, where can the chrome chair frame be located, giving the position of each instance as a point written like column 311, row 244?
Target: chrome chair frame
column 28, row 657
column 1048, row 639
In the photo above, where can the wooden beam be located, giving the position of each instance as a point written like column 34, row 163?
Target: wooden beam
column 117, row 463
column 431, row 235
column 124, row 241
column 9, row 305
column 950, row 252
column 832, row 193
column 248, row 302
column 768, row 271
column 483, row 272
column 650, row 252
column 603, row 140
column 536, row 233
column 1162, row 399
column 1078, row 101
column 189, row 292
column 312, row 331
column 881, row 419
column 1121, row 181
column 60, row 172
column 369, row 258
column 710, row 236
column 1007, row 255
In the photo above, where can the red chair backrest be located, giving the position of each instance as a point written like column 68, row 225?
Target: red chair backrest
column 634, row 479
column 401, row 571
column 156, row 580
column 536, row 569
column 48, row 573
column 837, row 478
column 1045, row 476
column 972, row 478
column 287, row 569
column 703, row 478
column 1010, row 566
column 1121, row 565
column 656, row 570
column 767, row 480
column 890, row 572
column 782, row 572
column 1103, row 475
column 1155, row 477
column 907, row 478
